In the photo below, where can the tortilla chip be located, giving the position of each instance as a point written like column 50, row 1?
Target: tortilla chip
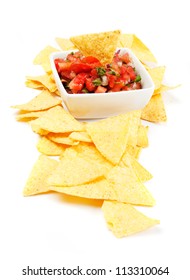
column 80, row 136
column 41, row 82
column 154, row 111
column 28, row 116
column 97, row 189
column 43, row 101
column 75, row 170
column 36, row 182
column 65, row 44
column 42, row 58
column 57, row 120
column 128, row 188
column 142, row 137
column 133, row 127
column 100, row 45
column 123, row 219
column 62, row 138
column 142, row 51
column 110, row 136
column 164, row 88
column 49, row 148
column 142, row 174
column 125, row 41
column 133, row 151
column 157, row 75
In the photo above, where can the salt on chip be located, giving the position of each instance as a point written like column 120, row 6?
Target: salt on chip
column 44, row 100
column 45, row 81
column 129, row 189
column 154, row 111
column 36, row 182
column 124, row 219
column 100, row 45
column 142, row 51
column 49, row 148
column 64, row 44
column 157, row 75
column 57, row 120
column 75, row 170
column 42, row 58
column 110, row 136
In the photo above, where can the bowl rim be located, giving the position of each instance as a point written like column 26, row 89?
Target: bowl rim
column 135, row 60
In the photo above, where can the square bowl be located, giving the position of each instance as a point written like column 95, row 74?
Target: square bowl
column 93, row 106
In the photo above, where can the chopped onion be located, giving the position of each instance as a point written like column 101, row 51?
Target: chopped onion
column 104, row 80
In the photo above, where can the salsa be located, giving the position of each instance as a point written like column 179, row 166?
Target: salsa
column 80, row 74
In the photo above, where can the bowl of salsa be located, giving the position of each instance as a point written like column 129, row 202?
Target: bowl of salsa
column 92, row 90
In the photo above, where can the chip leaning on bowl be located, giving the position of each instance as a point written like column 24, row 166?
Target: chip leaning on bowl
column 102, row 155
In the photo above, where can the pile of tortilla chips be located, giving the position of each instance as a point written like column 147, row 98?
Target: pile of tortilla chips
column 94, row 160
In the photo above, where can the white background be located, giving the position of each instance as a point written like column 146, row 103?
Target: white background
column 52, row 231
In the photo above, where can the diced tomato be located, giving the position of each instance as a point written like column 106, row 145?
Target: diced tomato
column 68, row 74
column 62, row 65
column 131, row 72
column 111, row 80
column 119, row 84
column 77, row 83
column 100, row 89
column 94, row 73
column 89, row 84
column 79, row 67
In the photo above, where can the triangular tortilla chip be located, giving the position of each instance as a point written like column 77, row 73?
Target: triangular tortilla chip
column 110, row 136
column 157, row 75
column 49, row 148
column 154, row 111
column 57, row 120
column 44, row 100
column 142, row 51
column 36, row 182
column 100, row 45
column 42, row 58
column 123, row 219
column 128, row 188
column 64, row 44
column 41, row 82
column 125, row 41
column 75, row 170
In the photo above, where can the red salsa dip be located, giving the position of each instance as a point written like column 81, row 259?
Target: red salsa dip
column 80, row 74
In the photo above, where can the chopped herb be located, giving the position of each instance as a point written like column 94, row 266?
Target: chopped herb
column 72, row 53
column 101, row 71
column 97, row 82
column 112, row 72
column 138, row 78
column 84, row 90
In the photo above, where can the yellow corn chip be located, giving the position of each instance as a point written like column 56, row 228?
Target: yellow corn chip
column 43, row 58
column 97, row 189
column 129, row 189
column 62, row 138
column 100, row 45
column 133, row 127
column 157, row 75
column 64, row 44
column 49, row 148
column 142, row 174
column 41, row 82
column 164, row 88
column 142, row 51
column 125, row 41
column 75, row 170
column 154, row 111
column 80, row 136
column 110, row 136
column 44, row 100
column 142, row 137
column 36, row 182
column 133, row 151
column 123, row 219
column 57, row 120
column 28, row 116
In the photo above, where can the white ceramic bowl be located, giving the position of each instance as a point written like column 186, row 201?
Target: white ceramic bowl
column 92, row 106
